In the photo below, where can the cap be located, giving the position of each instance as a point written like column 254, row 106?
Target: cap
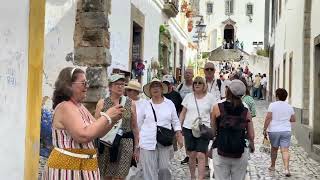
column 237, row 87
column 116, row 77
column 168, row 78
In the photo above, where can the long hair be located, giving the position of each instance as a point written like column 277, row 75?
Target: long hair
column 234, row 100
column 62, row 87
column 246, row 84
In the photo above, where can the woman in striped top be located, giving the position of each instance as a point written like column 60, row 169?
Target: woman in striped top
column 74, row 130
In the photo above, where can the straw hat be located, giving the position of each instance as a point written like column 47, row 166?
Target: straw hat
column 146, row 88
column 134, row 85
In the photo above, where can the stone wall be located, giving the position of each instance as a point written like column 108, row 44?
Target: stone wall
column 92, row 44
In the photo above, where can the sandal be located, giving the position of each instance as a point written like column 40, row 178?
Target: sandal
column 271, row 168
column 287, row 173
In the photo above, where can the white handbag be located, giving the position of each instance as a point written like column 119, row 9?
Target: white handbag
column 111, row 135
column 195, row 124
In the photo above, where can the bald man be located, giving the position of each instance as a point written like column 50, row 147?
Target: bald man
column 186, row 86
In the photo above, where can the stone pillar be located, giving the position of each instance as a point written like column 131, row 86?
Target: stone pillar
column 92, row 44
column 306, row 61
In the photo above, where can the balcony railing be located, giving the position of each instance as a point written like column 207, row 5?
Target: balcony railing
column 171, row 8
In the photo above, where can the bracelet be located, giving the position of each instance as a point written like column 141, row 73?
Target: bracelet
column 106, row 116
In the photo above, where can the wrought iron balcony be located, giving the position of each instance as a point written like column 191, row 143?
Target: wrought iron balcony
column 171, row 8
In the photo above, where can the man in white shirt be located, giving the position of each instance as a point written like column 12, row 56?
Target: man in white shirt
column 214, row 86
column 264, row 83
column 186, row 87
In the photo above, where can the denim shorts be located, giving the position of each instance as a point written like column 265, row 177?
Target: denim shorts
column 280, row 139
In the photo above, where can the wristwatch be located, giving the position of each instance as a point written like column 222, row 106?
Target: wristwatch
column 106, row 116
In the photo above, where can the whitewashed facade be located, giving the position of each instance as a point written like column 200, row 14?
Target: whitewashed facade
column 295, row 56
column 151, row 11
column 245, row 17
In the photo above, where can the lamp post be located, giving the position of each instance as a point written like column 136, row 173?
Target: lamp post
column 200, row 35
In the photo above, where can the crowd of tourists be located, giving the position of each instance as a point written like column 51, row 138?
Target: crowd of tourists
column 142, row 126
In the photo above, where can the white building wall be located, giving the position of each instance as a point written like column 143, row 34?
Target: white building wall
column 59, row 32
column 120, row 32
column 14, row 29
column 315, row 31
column 289, row 38
column 244, row 30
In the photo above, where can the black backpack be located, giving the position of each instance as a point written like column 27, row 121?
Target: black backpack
column 231, row 132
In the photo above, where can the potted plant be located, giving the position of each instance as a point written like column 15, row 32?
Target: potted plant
column 189, row 13
column 190, row 25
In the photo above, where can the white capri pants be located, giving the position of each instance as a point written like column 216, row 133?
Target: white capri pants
column 155, row 163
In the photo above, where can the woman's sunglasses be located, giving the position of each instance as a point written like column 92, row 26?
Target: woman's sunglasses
column 209, row 69
column 197, row 83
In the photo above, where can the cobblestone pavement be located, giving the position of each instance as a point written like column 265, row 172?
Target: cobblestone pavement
column 301, row 166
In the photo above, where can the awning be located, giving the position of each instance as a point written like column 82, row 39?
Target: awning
column 220, row 54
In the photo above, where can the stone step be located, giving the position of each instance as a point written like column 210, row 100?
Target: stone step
column 316, row 149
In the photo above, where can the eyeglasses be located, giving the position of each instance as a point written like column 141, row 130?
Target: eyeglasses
column 209, row 69
column 198, row 83
column 84, row 83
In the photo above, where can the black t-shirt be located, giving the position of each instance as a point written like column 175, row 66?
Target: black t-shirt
column 175, row 97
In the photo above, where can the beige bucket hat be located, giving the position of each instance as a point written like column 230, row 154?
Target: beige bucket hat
column 134, row 85
column 146, row 88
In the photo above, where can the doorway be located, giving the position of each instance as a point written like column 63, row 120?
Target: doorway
column 136, row 52
column 229, row 36
column 316, row 128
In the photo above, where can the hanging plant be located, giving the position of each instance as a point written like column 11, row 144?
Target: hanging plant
column 190, row 25
column 189, row 13
column 184, row 6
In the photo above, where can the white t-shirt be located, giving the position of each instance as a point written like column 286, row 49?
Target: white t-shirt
column 205, row 105
column 213, row 89
column 281, row 114
column 184, row 90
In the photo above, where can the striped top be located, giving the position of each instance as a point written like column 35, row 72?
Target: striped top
column 61, row 138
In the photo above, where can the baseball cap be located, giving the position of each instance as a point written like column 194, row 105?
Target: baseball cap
column 237, row 87
column 116, row 77
column 168, row 78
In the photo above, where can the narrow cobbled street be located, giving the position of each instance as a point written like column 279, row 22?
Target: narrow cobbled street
column 301, row 166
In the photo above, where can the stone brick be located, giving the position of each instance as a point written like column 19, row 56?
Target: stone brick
column 93, row 20
column 93, row 37
column 92, row 56
column 93, row 5
column 106, row 39
column 97, row 76
column 94, row 94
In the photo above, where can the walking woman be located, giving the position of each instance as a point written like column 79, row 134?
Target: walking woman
column 277, row 123
column 74, row 129
column 199, row 102
column 234, row 128
column 160, row 114
column 115, row 161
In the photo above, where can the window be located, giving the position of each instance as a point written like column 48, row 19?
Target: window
column 209, row 8
column 229, row 7
column 249, row 9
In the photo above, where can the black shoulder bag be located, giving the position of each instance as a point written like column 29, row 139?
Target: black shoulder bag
column 164, row 135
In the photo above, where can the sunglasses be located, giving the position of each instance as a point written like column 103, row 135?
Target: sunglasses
column 84, row 83
column 209, row 69
column 198, row 83
column 155, row 85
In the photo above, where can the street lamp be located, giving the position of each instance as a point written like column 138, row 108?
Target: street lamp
column 200, row 35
